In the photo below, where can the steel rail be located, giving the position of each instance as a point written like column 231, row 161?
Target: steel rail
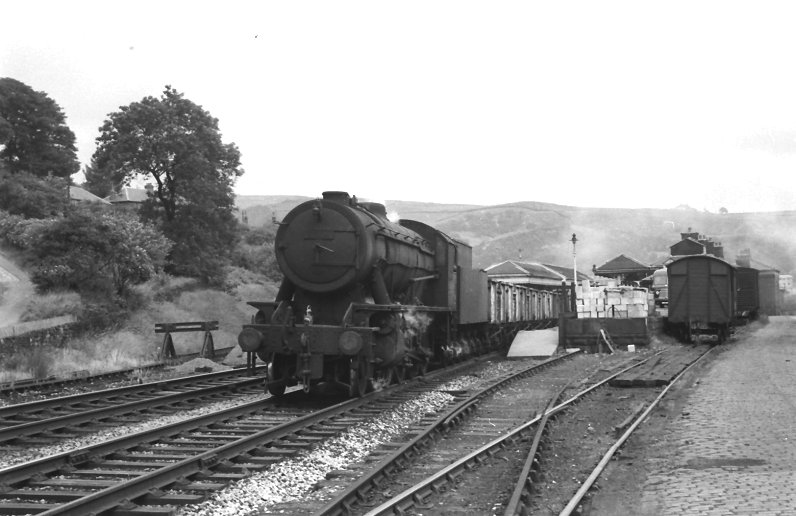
column 16, row 477
column 66, row 460
column 31, row 428
column 342, row 502
column 530, row 470
column 415, row 494
column 17, row 386
column 571, row 507
column 7, row 388
column 9, row 411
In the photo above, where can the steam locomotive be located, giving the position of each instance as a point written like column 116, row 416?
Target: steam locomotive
column 366, row 301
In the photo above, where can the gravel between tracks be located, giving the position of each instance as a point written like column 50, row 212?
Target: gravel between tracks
column 296, row 478
column 293, row 478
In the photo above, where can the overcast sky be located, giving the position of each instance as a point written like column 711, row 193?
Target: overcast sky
column 595, row 103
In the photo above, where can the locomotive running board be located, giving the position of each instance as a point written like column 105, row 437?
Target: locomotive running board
column 365, row 307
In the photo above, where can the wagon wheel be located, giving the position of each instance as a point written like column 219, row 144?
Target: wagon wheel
column 722, row 334
column 360, row 376
column 276, row 375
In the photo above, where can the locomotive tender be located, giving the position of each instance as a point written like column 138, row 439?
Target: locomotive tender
column 365, row 300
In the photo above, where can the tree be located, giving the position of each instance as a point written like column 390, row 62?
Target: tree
column 178, row 145
column 34, row 133
column 98, row 182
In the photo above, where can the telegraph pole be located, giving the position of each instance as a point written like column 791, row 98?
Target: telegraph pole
column 574, row 261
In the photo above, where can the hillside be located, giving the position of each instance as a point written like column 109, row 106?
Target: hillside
column 536, row 231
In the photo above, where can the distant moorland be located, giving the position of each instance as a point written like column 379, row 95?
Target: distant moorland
column 542, row 232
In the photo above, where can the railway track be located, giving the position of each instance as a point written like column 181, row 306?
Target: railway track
column 623, row 431
column 183, row 464
column 512, row 469
column 44, row 421
column 149, row 472
column 348, row 491
column 52, row 383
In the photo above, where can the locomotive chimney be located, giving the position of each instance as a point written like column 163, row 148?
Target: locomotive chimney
column 335, row 196
column 744, row 258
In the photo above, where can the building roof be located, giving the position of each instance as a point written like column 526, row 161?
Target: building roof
column 523, row 269
column 80, row 195
column 566, row 272
column 533, row 271
column 687, row 244
column 757, row 264
column 622, row 263
column 128, row 194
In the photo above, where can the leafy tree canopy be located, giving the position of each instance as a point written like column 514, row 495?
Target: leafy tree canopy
column 177, row 145
column 34, row 136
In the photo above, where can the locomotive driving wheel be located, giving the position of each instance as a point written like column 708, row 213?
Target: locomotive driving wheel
column 360, row 377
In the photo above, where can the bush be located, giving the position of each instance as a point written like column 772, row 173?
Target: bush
column 257, row 258
column 246, row 285
column 21, row 233
column 237, row 276
column 33, row 197
column 101, row 252
column 164, row 287
column 262, row 236
column 54, row 304
column 39, row 363
column 36, row 362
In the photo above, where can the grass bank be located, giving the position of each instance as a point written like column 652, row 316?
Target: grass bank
column 132, row 342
